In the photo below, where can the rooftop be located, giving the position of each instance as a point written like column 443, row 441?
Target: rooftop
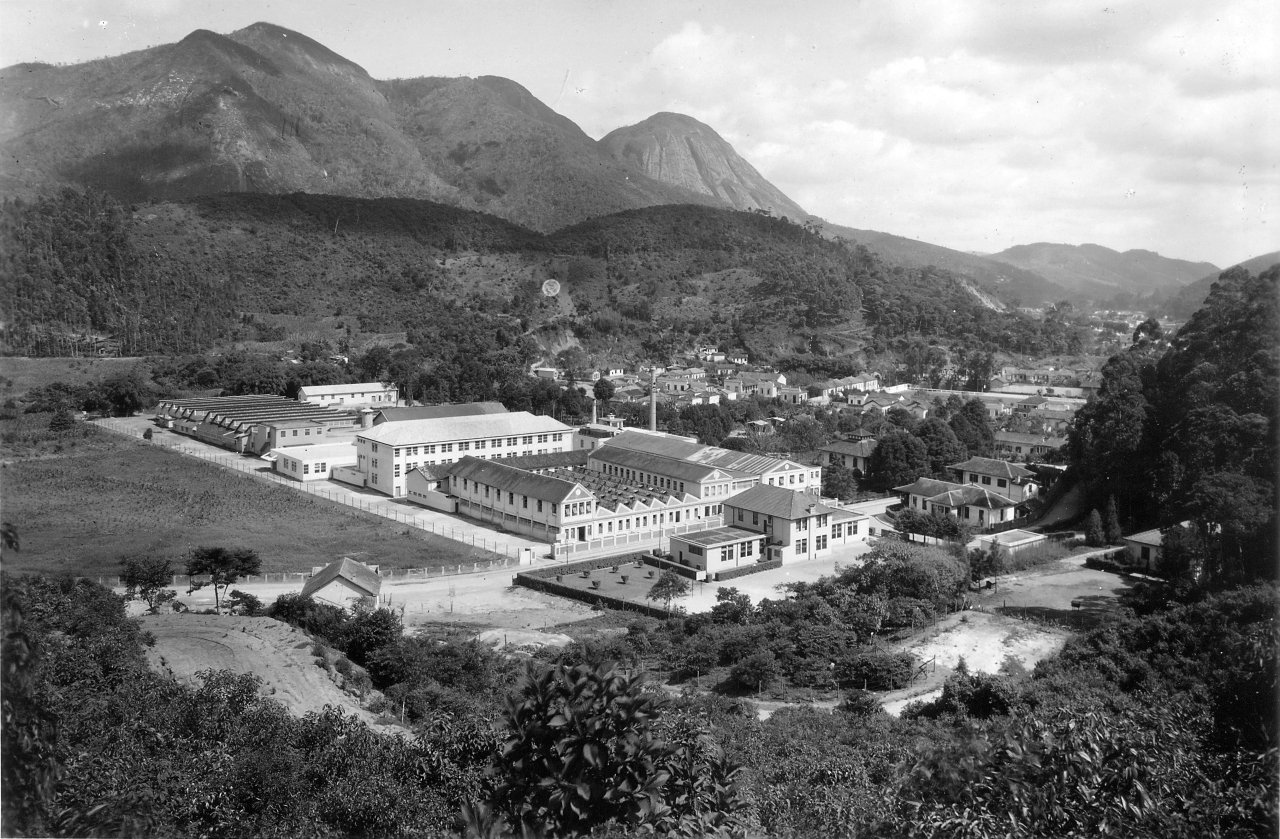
column 991, row 466
column 446, row 429
column 719, row 536
column 357, row 573
column 779, row 502
column 506, row 478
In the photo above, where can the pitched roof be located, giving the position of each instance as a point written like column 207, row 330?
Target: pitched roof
column 445, row 429
column 333, row 390
column 778, row 501
column 970, row 495
column 927, row 487
column 550, row 460
column 358, row 574
column 642, row 461
column 993, row 467
column 423, row 412
column 861, row 448
column 510, row 479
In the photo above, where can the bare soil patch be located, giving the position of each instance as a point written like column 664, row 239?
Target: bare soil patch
column 277, row 653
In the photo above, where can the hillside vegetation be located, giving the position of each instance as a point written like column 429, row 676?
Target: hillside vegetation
column 178, row 277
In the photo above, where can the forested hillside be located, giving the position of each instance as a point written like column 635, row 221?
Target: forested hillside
column 1185, row 429
column 184, row 276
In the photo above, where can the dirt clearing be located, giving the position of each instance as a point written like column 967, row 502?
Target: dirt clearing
column 275, row 652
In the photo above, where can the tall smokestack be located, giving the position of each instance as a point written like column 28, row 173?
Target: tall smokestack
column 595, row 417
column 653, row 404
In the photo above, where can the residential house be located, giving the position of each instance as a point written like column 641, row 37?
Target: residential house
column 1020, row 446
column 1008, row 479
column 855, row 455
column 973, row 505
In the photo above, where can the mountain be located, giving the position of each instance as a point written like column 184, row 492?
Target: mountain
column 1100, row 272
column 1184, row 302
column 266, row 109
column 1008, row 284
column 678, row 150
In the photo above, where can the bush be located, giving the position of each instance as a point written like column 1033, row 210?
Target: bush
column 875, row 670
column 756, row 672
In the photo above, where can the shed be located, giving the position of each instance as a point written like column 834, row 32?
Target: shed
column 342, row 582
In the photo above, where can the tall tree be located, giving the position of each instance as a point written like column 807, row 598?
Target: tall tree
column 942, row 446
column 898, row 459
column 224, row 566
column 148, row 578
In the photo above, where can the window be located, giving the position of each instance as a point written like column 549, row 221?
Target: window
column 375, row 463
column 747, row 548
column 755, row 518
column 539, row 506
column 374, row 446
column 1002, row 483
column 820, row 543
column 793, row 479
column 526, row 440
column 524, row 501
column 486, row 490
column 446, row 447
column 542, row 438
column 837, row 530
column 739, row 515
column 397, row 470
column 480, row 444
column 511, row 498
column 986, row 480
column 321, row 467
column 802, row 545
column 429, row 449
column 1146, row 552
column 558, row 437
column 802, row 525
column 306, row 468
column 853, row 529
column 464, row 446
column 295, row 434
column 511, row 441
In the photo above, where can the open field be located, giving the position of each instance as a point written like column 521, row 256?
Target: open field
column 21, row 375
column 80, row 510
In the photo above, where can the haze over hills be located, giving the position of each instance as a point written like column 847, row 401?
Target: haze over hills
column 1101, row 272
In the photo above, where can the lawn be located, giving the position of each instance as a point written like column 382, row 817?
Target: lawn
column 83, row 500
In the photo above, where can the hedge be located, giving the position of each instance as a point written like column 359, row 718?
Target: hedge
column 743, row 570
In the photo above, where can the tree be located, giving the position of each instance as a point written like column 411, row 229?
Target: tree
column 375, row 364
column 839, row 482
column 126, row 392
column 942, row 445
column 147, row 578
column 603, row 391
column 370, row 631
column 1093, row 536
column 668, row 587
column 898, row 459
column 756, row 671
column 224, row 566
column 1111, row 525
column 582, row 753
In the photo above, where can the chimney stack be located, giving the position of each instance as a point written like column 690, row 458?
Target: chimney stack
column 653, row 404
column 366, row 417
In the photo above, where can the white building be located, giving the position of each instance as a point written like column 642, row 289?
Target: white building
column 372, row 394
column 315, row 462
column 386, row 453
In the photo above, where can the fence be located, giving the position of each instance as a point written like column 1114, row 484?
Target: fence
column 407, row 575
column 383, row 507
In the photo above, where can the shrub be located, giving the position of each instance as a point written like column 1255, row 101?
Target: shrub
column 755, row 672
column 875, row 670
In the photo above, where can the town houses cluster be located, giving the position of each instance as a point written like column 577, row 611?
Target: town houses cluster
column 606, row 485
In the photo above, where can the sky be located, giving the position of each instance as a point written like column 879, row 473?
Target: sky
column 973, row 124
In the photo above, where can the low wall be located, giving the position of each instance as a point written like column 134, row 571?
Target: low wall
column 744, row 570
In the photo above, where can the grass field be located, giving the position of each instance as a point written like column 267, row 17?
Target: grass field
column 83, row 500
column 21, row 375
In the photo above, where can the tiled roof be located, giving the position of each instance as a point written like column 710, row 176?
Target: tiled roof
column 993, row 467
column 862, row 448
column 445, row 429
column 550, row 460
column 779, row 502
column 927, row 487
column 970, row 495
column 642, row 461
column 506, row 478
column 357, row 573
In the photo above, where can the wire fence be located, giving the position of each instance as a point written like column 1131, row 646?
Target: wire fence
column 385, row 508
